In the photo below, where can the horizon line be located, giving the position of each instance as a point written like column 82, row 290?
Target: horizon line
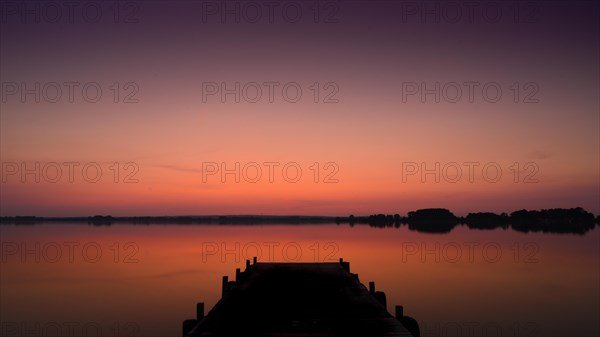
column 268, row 215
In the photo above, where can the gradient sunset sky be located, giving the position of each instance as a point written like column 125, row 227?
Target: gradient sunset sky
column 362, row 53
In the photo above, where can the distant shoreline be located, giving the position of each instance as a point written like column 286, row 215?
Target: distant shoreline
column 431, row 220
column 184, row 219
column 249, row 218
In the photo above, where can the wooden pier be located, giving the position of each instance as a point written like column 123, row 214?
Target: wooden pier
column 299, row 299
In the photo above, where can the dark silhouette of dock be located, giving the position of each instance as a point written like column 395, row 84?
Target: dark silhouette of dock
column 299, row 299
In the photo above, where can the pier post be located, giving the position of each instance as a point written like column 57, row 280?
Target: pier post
column 380, row 296
column 399, row 312
column 247, row 264
column 372, row 287
column 199, row 311
column 237, row 274
column 345, row 265
column 254, row 260
column 224, row 285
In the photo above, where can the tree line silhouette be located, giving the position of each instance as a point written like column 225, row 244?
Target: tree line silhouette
column 440, row 220
column 429, row 220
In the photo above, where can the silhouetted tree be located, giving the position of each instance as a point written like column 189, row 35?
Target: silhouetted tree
column 434, row 220
column 555, row 220
column 486, row 220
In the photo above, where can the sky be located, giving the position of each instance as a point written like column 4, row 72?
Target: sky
column 298, row 107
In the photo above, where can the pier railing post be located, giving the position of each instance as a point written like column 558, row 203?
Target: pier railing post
column 224, row 285
column 380, row 296
column 345, row 265
column 199, row 311
column 399, row 312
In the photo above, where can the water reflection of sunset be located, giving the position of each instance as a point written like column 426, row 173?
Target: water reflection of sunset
column 502, row 277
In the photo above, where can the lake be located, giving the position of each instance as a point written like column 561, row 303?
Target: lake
column 71, row 279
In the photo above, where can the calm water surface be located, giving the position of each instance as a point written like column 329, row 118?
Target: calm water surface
column 136, row 280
